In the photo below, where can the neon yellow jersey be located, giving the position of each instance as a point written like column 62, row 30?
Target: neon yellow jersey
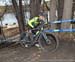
column 33, row 22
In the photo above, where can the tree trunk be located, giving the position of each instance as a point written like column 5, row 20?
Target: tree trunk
column 67, row 12
column 60, row 11
column 19, row 15
column 22, row 19
column 73, row 15
column 0, row 30
column 34, row 7
column 52, row 12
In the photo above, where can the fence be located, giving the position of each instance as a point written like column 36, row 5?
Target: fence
column 61, row 30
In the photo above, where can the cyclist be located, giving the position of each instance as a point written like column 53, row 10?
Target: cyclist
column 36, row 22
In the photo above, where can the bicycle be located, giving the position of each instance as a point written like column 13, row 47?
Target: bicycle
column 46, row 40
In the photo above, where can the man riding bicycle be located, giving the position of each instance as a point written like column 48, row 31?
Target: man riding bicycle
column 35, row 24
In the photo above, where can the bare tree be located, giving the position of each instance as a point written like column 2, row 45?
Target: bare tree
column 67, row 12
column 53, row 12
column 73, row 15
column 19, row 15
column 34, row 7
column 60, row 7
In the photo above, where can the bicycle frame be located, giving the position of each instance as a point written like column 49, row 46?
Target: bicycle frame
column 41, row 33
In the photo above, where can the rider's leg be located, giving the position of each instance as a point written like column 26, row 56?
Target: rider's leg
column 22, row 36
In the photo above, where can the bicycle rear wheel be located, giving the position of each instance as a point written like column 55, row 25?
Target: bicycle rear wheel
column 49, row 46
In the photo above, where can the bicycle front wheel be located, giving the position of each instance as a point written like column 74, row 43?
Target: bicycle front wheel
column 51, row 45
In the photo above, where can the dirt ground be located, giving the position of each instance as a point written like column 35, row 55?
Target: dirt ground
column 64, row 53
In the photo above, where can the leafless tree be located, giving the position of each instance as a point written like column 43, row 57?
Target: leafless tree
column 53, row 12
column 19, row 15
column 60, row 9
column 73, row 15
column 67, row 12
column 34, row 7
column 60, row 6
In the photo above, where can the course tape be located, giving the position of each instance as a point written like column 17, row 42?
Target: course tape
column 61, row 21
column 60, row 30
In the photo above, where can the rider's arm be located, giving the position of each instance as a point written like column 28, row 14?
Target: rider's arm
column 30, row 24
column 41, row 23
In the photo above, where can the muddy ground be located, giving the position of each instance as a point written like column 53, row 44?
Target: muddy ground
column 64, row 53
